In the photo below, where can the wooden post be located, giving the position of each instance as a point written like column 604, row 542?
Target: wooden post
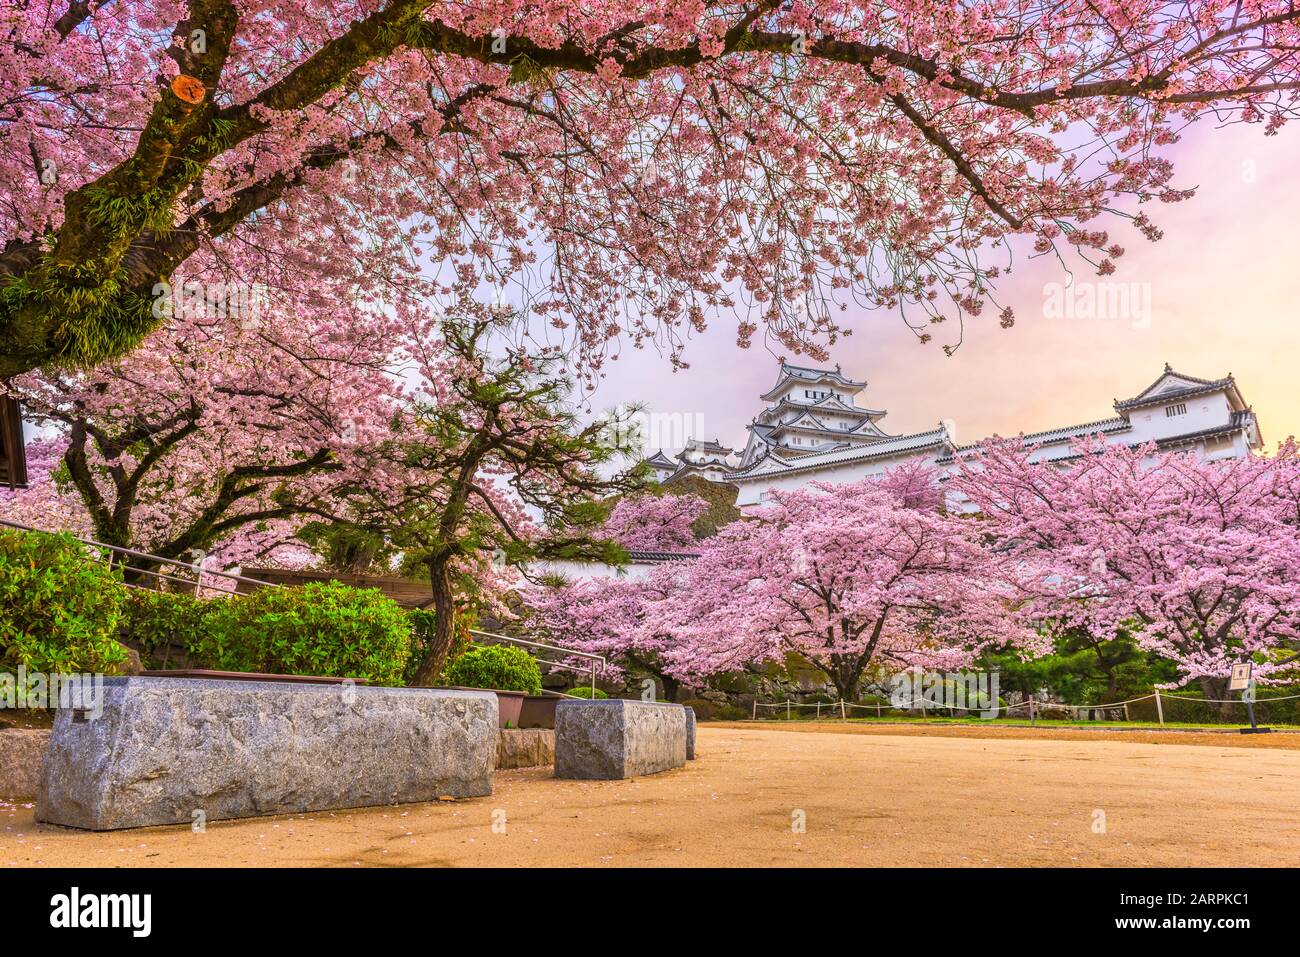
column 843, row 714
column 1126, row 717
column 877, row 709
column 787, row 709
column 754, row 717
column 1032, row 715
column 1160, row 709
column 819, row 710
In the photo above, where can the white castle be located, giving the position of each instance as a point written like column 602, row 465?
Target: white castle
column 813, row 429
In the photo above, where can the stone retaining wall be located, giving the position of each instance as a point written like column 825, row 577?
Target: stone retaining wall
column 21, row 754
column 525, row 748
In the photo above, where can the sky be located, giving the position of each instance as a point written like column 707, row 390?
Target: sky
column 1222, row 286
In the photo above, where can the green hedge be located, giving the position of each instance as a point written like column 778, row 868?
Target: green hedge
column 501, row 667
column 584, row 691
column 322, row 628
column 157, row 622
column 59, row 606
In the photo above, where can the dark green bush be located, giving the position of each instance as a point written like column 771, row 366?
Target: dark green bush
column 161, row 624
column 59, row 605
column 501, row 667
column 584, row 691
column 321, row 628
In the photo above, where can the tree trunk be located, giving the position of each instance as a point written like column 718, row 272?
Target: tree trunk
column 845, row 679
column 444, row 624
column 671, row 686
column 1216, row 689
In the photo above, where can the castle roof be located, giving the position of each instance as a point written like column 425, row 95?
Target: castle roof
column 810, row 375
column 1171, row 386
column 775, row 462
column 703, row 445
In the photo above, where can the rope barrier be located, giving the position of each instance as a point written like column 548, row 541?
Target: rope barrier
column 1167, row 697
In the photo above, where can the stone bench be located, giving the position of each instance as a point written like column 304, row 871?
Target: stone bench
column 177, row 750
column 616, row 738
column 690, row 732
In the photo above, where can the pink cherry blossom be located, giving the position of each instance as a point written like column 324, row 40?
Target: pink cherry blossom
column 659, row 523
column 1200, row 558
column 626, row 170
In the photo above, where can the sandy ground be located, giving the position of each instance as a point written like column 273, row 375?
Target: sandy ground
column 1279, row 740
column 907, row 797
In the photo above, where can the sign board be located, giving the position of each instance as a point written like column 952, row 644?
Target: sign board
column 1240, row 679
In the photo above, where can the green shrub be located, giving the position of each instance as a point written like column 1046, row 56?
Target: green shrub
column 59, row 606
column 157, row 622
column 321, row 628
column 495, row 666
column 584, row 691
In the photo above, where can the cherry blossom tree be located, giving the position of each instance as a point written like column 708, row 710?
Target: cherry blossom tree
column 656, row 523
column 638, row 167
column 847, row 577
column 1201, row 558
column 44, row 504
column 488, row 469
column 628, row 620
column 221, row 432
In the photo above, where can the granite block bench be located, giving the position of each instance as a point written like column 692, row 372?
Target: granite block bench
column 177, row 750
column 616, row 738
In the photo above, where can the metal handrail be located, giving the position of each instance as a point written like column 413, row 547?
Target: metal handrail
column 595, row 659
column 134, row 553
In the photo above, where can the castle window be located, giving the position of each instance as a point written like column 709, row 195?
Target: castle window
column 1173, row 410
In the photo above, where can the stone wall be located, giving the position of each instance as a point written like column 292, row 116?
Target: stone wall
column 525, row 748
column 21, row 755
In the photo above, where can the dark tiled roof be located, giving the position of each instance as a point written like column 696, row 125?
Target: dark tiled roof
column 876, row 450
column 1198, row 387
column 807, row 374
column 1239, row 422
column 640, row 556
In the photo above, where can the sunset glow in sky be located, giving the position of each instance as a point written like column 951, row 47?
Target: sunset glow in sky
column 1224, row 287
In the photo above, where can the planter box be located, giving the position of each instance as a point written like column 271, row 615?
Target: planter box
column 179, row 750
column 509, row 706
column 616, row 738
column 539, row 711
column 509, row 703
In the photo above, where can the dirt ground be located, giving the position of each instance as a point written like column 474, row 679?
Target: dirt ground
column 864, row 795
column 1228, row 738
